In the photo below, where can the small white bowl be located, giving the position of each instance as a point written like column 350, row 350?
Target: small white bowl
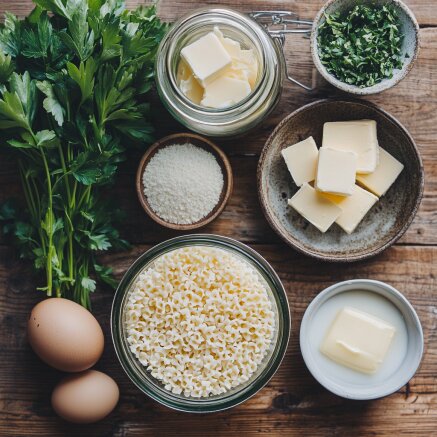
column 361, row 389
column 410, row 46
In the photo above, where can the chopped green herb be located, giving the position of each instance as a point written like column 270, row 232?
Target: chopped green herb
column 73, row 78
column 362, row 46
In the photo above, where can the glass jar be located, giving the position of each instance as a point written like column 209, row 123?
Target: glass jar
column 267, row 368
column 249, row 112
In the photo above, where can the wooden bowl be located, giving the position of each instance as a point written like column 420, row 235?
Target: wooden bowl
column 205, row 144
column 410, row 45
column 384, row 223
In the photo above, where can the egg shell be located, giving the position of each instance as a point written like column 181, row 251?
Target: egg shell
column 85, row 397
column 65, row 335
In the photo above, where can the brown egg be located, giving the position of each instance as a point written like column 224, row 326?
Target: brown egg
column 85, row 397
column 65, row 335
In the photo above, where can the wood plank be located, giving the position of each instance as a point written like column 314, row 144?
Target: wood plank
column 293, row 402
column 424, row 10
column 170, row 10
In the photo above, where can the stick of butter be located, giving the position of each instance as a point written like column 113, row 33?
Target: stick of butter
column 207, row 58
column 389, row 168
column 358, row 340
column 336, row 171
column 301, row 161
column 315, row 207
column 354, row 136
column 353, row 207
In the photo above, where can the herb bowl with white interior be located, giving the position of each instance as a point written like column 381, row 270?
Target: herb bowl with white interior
column 364, row 47
column 215, row 358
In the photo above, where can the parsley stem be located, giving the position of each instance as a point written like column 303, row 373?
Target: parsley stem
column 49, row 225
column 64, row 169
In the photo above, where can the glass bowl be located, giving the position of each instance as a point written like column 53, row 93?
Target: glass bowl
column 153, row 387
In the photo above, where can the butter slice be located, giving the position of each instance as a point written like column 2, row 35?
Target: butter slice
column 244, row 62
column 353, row 208
column 358, row 340
column 387, row 171
column 336, row 171
column 207, row 58
column 301, row 161
column 315, row 208
column 188, row 84
column 354, row 136
column 225, row 92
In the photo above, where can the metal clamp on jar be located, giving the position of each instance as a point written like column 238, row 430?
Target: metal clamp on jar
column 263, row 32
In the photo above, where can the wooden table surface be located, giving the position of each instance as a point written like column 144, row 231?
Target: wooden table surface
column 293, row 403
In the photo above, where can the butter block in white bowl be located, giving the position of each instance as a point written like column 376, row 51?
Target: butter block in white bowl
column 301, row 160
column 357, row 136
column 336, row 171
column 403, row 351
column 354, row 207
column 315, row 207
column 387, row 171
column 358, row 340
column 207, row 58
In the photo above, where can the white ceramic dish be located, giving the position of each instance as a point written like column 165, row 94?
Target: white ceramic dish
column 394, row 373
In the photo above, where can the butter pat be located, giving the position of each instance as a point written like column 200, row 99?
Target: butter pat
column 315, row 208
column 188, row 84
column 336, row 171
column 353, row 208
column 301, row 161
column 244, row 64
column 387, row 171
column 354, row 136
column 358, row 340
column 207, row 58
column 192, row 89
column 225, row 92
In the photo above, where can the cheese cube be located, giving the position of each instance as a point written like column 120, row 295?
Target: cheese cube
column 301, row 161
column 354, row 136
column 336, row 171
column 389, row 168
column 353, row 207
column 358, row 340
column 315, row 208
column 224, row 92
column 207, row 58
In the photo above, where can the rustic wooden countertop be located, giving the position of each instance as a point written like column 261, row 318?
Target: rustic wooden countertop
column 293, row 403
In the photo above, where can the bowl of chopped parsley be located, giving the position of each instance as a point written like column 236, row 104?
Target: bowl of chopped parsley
column 364, row 47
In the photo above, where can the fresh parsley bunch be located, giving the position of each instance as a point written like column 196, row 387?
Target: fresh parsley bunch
column 362, row 46
column 73, row 76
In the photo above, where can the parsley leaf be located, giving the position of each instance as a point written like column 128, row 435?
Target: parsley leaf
column 51, row 103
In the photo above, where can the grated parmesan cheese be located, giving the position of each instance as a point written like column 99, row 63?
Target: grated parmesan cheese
column 200, row 320
column 183, row 183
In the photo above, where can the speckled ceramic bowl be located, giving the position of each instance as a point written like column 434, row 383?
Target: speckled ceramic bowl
column 385, row 223
column 410, row 29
